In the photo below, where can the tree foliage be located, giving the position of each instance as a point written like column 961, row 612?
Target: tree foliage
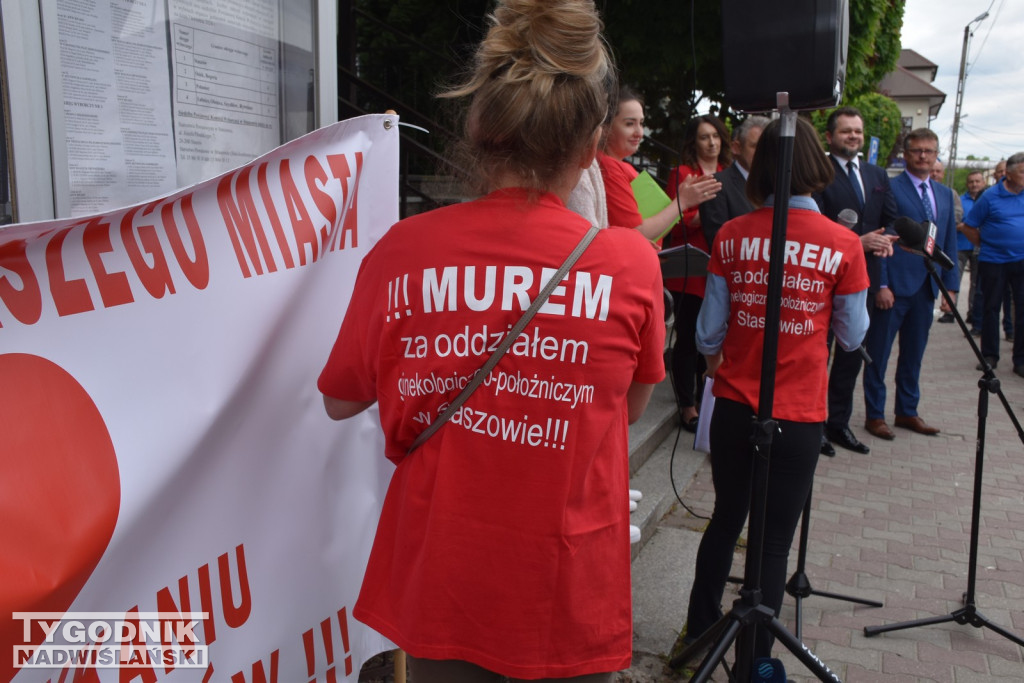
column 409, row 49
column 881, row 120
column 874, row 45
column 669, row 51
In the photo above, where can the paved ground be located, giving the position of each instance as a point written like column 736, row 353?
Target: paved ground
column 892, row 526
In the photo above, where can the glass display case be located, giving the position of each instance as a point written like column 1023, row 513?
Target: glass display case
column 145, row 97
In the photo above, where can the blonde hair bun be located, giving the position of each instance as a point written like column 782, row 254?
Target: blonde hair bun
column 539, row 90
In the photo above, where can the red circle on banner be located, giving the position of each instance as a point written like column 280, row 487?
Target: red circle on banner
column 60, row 492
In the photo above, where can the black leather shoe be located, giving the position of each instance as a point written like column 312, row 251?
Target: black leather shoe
column 990, row 360
column 826, row 447
column 946, row 318
column 1018, row 370
column 845, row 438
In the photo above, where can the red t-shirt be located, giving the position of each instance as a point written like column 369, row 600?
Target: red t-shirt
column 504, row 538
column 823, row 259
column 622, row 208
column 686, row 232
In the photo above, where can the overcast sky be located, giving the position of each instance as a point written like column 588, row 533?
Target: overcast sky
column 992, row 114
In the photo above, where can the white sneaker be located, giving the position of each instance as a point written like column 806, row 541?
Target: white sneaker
column 635, row 495
column 632, row 506
column 634, row 534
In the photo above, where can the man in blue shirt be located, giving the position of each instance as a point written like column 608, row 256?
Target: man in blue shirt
column 939, row 176
column 996, row 223
column 967, row 252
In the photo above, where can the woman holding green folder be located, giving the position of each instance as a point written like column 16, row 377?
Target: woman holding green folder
column 623, row 136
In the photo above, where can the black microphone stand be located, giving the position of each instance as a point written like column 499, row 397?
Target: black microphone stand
column 988, row 384
column 748, row 612
column 799, row 586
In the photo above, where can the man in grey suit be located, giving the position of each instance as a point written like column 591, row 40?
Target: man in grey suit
column 864, row 189
column 732, row 200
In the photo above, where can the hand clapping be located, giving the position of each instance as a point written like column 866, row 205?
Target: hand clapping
column 695, row 190
column 877, row 242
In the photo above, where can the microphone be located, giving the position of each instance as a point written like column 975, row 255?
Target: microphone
column 919, row 238
column 864, row 354
column 929, row 243
column 847, row 218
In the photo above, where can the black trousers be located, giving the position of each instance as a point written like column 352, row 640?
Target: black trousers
column 998, row 281
column 842, row 380
column 687, row 364
column 794, row 456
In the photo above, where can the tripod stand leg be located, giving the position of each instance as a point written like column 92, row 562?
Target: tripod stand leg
column 799, row 586
column 718, row 638
column 875, row 630
column 799, row 613
column 800, row 651
column 847, row 598
column 964, row 616
column 979, row 620
column 717, row 654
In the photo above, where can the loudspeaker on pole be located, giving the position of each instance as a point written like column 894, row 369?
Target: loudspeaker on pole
column 794, row 46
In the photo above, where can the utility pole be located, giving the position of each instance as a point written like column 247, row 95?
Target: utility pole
column 951, row 166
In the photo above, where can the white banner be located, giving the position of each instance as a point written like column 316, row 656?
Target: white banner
column 163, row 444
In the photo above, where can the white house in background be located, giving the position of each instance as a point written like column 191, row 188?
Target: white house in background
column 910, row 86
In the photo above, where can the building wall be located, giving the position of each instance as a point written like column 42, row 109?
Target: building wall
column 915, row 110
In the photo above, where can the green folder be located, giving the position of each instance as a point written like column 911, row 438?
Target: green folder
column 651, row 199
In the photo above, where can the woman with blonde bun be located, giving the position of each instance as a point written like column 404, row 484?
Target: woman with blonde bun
column 503, row 545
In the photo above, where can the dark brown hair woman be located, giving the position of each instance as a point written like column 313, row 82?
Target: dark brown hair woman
column 825, row 284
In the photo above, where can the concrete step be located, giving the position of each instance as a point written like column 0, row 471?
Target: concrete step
column 661, row 462
column 657, row 422
column 662, row 466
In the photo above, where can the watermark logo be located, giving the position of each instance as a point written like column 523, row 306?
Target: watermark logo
column 110, row 640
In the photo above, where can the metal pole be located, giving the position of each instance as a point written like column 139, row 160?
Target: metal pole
column 951, row 166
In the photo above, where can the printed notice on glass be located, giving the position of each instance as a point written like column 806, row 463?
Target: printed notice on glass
column 226, row 64
column 115, row 85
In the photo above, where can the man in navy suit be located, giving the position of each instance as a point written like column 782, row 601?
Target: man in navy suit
column 864, row 189
column 909, row 301
column 732, row 200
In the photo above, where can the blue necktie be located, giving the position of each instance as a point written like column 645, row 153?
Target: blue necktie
column 855, row 181
column 928, row 213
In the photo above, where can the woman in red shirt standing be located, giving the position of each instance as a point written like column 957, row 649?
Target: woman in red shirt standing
column 824, row 286
column 622, row 138
column 503, row 542
column 704, row 153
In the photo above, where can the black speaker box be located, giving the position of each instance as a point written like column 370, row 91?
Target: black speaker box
column 794, row 46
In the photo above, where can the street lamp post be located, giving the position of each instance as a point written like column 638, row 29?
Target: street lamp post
column 951, row 166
